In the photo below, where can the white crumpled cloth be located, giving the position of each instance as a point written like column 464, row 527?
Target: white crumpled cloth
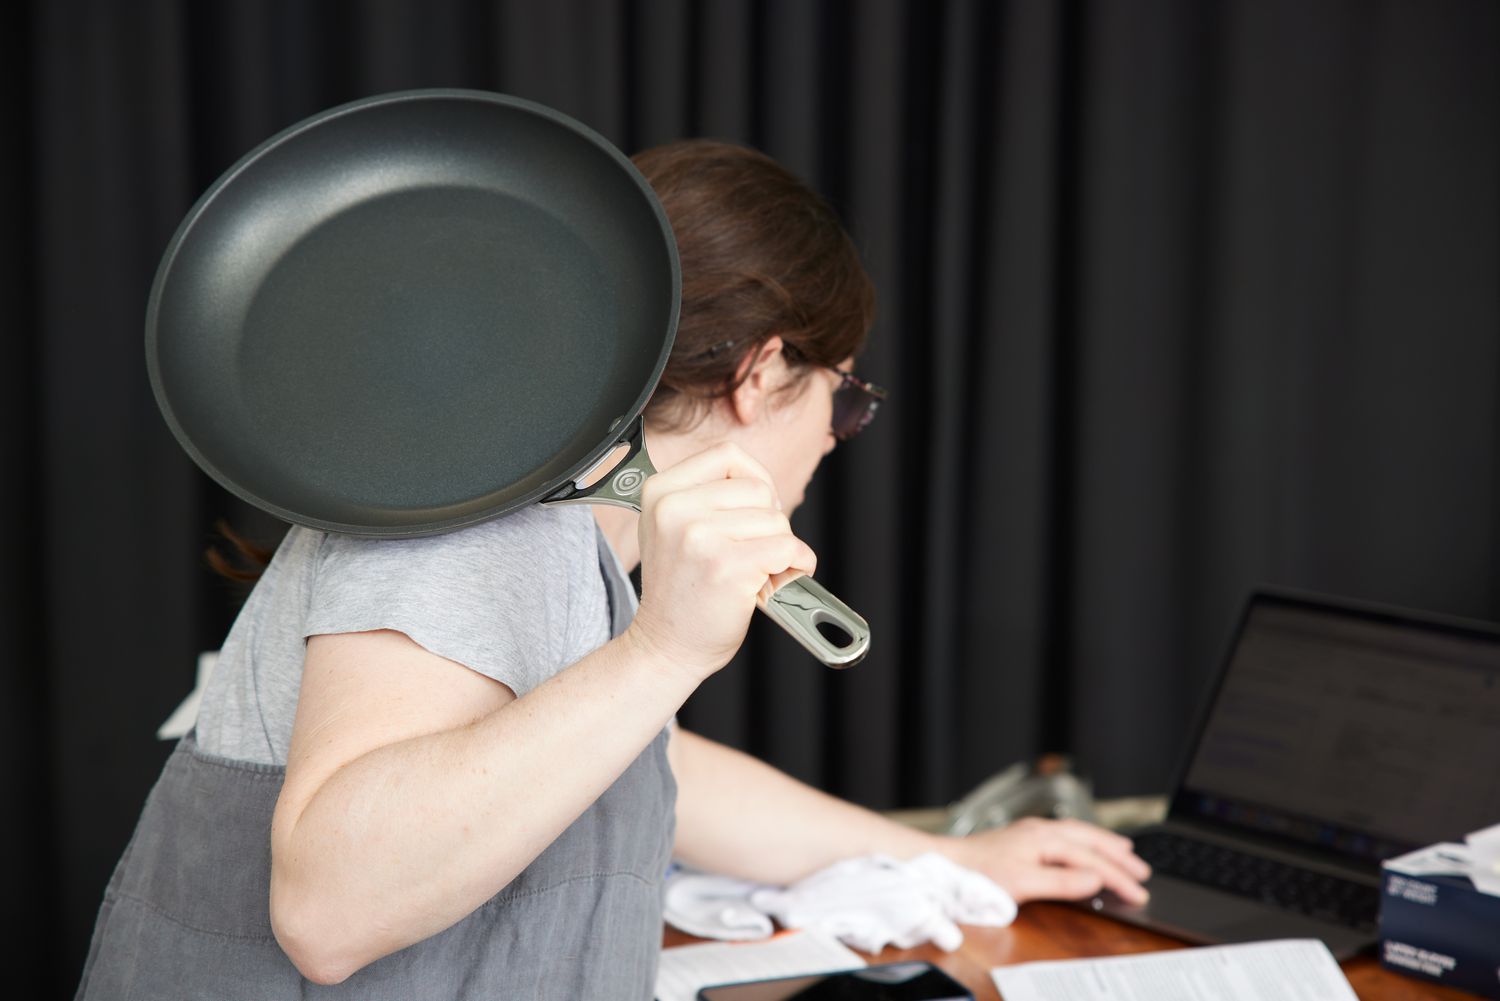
column 713, row 906
column 867, row 903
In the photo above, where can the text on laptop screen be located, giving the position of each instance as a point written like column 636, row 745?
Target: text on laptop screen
column 1364, row 735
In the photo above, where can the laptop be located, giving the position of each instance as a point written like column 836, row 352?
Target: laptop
column 1338, row 734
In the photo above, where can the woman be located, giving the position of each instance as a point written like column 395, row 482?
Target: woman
column 447, row 767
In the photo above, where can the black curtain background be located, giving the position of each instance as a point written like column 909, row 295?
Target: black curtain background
column 1176, row 298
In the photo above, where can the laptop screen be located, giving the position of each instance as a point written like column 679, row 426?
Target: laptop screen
column 1364, row 733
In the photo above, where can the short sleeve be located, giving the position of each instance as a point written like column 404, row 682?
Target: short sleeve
column 517, row 598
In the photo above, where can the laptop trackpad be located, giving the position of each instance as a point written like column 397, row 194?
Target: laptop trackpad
column 1195, row 912
column 1199, row 914
column 1267, row 923
column 1256, row 927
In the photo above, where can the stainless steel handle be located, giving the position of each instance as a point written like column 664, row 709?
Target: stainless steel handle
column 801, row 605
column 622, row 487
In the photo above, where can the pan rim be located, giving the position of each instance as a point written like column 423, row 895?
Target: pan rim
column 415, row 528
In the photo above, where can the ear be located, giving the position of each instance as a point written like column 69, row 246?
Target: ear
column 759, row 375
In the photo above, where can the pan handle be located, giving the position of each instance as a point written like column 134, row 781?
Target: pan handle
column 799, row 605
column 622, row 488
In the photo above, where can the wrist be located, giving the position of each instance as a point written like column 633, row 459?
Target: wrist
column 900, row 840
column 939, row 843
column 954, row 849
column 659, row 659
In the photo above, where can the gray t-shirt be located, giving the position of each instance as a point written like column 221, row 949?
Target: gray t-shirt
column 516, row 598
column 186, row 914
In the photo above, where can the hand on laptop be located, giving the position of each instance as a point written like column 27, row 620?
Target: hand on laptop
column 1036, row 859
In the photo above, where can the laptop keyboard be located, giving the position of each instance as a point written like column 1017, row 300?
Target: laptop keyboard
column 1326, row 898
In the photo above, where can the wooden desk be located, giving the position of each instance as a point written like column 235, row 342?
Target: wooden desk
column 1056, row 931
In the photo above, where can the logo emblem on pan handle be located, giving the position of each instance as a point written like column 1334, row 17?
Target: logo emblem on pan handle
column 627, row 482
column 622, row 487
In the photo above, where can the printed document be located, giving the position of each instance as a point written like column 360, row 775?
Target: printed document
column 1283, row 970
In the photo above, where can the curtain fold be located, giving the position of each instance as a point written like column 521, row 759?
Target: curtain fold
column 1175, row 299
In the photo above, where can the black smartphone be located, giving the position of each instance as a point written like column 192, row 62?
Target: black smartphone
column 915, row 981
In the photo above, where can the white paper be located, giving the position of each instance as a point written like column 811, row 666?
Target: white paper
column 1478, row 859
column 1283, row 970
column 1484, row 856
column 686, row 968
column 1445, row 859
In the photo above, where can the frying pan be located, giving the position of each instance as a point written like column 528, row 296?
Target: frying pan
column 421, row 310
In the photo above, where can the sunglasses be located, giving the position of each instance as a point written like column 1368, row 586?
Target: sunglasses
column 854, row 404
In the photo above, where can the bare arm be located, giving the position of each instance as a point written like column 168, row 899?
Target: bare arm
column 741, row 817
column 393, row 829
column 416, row 789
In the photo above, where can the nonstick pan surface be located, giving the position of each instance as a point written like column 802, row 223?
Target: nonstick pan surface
column 413, row 313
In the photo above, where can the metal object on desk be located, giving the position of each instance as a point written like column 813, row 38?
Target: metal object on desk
column 1047, row 787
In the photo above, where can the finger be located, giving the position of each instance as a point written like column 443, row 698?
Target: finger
column 1082, row 830
column 767, row 557
column 721, row 462
column 1115, row 847
column 1068, row 853
column 1128, row 860
column 778, row 580
column 1048, row 882
column 1115, row 876
column 744, row 523
column 721, row 495
column 715, row 536
column 752, row 561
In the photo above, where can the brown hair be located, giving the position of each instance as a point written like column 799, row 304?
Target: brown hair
column 762, row 254
column 246, row 561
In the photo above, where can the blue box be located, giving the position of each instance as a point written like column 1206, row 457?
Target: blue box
column 1436, row 925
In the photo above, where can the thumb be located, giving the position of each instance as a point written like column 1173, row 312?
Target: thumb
column 1050, row 882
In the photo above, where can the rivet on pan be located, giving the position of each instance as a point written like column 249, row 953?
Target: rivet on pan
column 615, row 423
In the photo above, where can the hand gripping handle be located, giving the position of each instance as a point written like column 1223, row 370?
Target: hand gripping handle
column 800, row 605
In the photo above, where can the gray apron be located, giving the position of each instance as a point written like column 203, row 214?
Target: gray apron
column 186, row 914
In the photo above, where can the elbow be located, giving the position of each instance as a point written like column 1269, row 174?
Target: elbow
column 309, row 940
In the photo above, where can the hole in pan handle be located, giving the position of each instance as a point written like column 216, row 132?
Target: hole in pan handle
column 829, row 629
column 826, row 627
